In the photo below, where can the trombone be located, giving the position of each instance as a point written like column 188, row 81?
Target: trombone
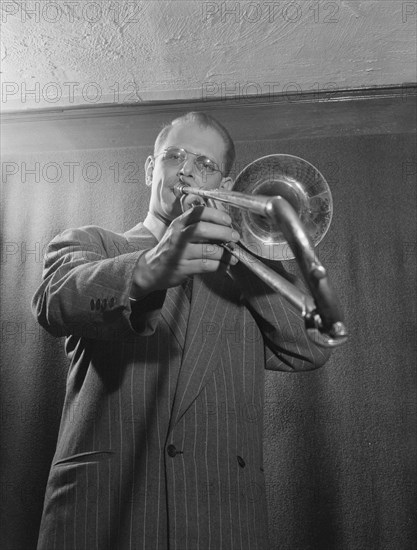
column 281, row 201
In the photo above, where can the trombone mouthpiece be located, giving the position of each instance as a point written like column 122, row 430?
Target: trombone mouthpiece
column 178, row 189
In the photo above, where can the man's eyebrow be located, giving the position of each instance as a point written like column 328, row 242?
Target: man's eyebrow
column 196, row 154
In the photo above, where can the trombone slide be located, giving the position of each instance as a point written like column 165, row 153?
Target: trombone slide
column 322, row 313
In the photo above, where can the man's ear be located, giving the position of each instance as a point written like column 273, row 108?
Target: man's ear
column 226, row 183
column 149, row 166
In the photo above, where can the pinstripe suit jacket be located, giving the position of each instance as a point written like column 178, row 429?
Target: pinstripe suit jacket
column 160, row 442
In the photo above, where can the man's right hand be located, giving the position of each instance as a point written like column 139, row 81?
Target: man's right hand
column 189, row 246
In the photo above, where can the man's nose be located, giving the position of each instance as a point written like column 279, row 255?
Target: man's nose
column 188, row 167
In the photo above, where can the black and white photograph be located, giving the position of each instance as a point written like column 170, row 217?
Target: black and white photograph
column 208, row 247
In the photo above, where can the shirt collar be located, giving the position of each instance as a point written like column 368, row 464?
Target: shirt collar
column 155, row 226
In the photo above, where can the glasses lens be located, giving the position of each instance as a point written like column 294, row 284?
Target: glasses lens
column 174, row 155
column 206, row 165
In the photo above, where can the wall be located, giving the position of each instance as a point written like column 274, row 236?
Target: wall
column 340, row 449
column 61, row 53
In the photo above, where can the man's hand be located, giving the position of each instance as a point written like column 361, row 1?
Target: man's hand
column 189, row 246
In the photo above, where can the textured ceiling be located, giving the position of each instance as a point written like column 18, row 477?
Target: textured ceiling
column 62, row 53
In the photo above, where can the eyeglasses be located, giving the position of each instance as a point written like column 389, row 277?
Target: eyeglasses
column 176, row 156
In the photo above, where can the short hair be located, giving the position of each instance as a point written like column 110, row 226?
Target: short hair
column 206, row 121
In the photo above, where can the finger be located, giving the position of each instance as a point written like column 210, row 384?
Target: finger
column 203, row 251
column 207, row 254
column 203, row 232
column 228, row 258
column 191, row 201
column 207, row 214
column 195, row 267
column 209, row 251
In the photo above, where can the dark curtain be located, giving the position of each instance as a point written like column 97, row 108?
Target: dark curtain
column 340, row 447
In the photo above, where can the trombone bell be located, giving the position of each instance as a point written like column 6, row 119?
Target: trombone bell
column 299, row 183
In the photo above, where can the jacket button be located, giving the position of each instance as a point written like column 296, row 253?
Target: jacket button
column 241, row 462
column 172, row 450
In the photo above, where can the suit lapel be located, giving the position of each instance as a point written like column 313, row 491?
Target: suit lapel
column 197, row 327
column 175, row 311
column 200, row 357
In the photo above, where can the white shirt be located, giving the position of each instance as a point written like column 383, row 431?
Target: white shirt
column 155, row 226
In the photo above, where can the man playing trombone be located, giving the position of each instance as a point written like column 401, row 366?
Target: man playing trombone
column 160, row 443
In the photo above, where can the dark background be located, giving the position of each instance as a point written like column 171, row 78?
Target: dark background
column 340, row 446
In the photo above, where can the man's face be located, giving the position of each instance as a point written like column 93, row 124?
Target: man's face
column 164, row 176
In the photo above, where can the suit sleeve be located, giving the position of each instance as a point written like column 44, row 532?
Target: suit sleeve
column 287, row 345
column 86, row 282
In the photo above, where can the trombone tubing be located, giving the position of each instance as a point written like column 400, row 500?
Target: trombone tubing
column 303, row 302
column 259, row 204
column 327, row 315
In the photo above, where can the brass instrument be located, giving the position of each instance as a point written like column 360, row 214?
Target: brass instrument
column 277, row 202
